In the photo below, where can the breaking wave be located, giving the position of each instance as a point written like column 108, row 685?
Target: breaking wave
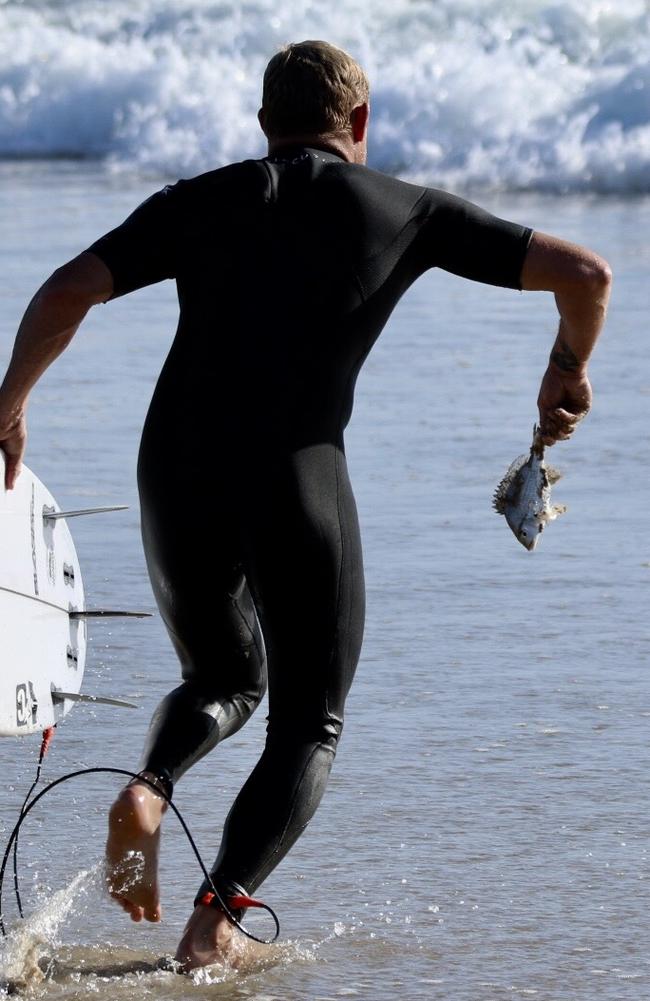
column 465, row 93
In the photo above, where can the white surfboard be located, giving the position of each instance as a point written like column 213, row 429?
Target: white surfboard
column 42, row 647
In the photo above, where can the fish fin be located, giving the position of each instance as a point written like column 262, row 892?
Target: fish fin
column 556, row 510
column 501, row 492
column 499, row 498
column 553, row 474
column 499, row 503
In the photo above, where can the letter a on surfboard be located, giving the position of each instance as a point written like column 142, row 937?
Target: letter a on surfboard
column 42, row 609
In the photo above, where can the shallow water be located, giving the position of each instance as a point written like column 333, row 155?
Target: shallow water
column 485, row 833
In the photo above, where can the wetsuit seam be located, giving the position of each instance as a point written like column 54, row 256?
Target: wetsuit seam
column 526, row 241
column 335, row 642
column 271, row 194
column 342, row 562
column 250, row 630
column 295, row 798
column 413, row 220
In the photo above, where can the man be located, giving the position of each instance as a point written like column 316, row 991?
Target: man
column 287, row 269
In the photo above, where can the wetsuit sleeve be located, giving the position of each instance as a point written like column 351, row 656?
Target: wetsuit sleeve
column 144, row 249
column 460, row 237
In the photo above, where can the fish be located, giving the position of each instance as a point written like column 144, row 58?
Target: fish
column 523, row 496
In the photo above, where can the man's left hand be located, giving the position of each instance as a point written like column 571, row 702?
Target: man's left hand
column 564, row 399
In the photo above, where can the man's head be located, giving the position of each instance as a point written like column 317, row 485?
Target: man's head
column 312, row 89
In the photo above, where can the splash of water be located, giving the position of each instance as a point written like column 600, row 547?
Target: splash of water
column 29, row 944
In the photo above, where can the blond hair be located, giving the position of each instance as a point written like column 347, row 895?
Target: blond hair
column 311, row 88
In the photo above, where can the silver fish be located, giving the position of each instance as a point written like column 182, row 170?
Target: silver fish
column 524, row 494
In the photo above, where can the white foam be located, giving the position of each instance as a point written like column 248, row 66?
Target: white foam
column 528, row 95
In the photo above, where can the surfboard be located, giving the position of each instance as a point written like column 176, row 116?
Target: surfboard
column 42, row 640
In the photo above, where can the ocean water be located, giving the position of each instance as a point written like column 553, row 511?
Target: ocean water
column 485, row 832
column 533, row 94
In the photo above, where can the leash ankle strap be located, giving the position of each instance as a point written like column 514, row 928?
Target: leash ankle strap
column 234, row 903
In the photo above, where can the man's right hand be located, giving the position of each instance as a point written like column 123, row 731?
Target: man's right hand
column 564, row 399
column 13, row 438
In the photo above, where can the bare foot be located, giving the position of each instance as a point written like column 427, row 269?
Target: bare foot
column 132, row 851
column 209, row 937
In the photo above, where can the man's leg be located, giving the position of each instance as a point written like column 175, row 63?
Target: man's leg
column 305, row 568
column 205, row 602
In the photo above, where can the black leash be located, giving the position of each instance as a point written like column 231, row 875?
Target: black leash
column 48, row 736
column 28, row 806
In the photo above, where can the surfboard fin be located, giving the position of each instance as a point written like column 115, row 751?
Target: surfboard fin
column 106, row 613
column 58, row 696
column 49, row 514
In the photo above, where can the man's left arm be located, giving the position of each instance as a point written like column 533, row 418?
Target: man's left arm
column 468, row 241
column 49, row 324
column 581, row 282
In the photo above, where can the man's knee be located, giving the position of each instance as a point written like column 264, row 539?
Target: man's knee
column 214, row 697
column 248, row 700
column 223, row 677
column 324, row 731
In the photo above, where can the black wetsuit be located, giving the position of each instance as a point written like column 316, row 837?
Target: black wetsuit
column 287, row 269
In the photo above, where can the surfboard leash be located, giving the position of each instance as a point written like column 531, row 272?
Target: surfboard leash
column 48, row 737
column 216, row 899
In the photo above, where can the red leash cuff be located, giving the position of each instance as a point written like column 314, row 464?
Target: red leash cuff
column 234, row 903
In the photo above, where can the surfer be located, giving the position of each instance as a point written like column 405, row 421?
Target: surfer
column 287, row 269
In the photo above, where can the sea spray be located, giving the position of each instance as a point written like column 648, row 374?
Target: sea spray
column 30, row 943
column 465, row 93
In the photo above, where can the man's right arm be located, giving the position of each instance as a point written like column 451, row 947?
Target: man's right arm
column 581, row 282
column 48, row 326
column 139, row 252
